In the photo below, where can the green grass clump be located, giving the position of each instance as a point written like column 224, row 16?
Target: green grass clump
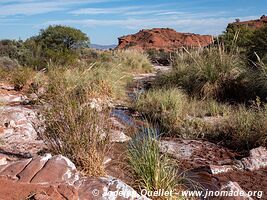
column 248, row 127
column 133, row 61
column 168, row 106
column 236, row 126
column 152, row 170
column 208, row 73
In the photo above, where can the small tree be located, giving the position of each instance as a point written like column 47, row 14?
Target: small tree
column 62, row 38
column 57, row 44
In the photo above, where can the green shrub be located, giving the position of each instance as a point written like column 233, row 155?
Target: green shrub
column 15, row 50
column 152, row 170
column 160, row 56
column 237, row 36
column 258, row 45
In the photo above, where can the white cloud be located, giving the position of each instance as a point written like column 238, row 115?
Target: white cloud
column 125, row 10
column 94, row 11
column 32, row 7
column 204, row 26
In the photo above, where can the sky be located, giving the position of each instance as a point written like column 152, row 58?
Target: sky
column 106, row 20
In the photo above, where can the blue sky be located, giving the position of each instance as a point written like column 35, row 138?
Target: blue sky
column 105, row 20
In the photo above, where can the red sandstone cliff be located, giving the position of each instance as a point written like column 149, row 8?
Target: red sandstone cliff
column 163, row 38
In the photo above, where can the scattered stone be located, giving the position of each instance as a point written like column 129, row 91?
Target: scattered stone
column 119, row 136
column 220, row 169
column 256, row 160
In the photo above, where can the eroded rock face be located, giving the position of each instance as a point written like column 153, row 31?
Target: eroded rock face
column 18, row 123
column 56, row 177
column 163, row 38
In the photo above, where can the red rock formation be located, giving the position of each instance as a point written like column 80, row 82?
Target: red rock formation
column 254, row 24
column 163, row 38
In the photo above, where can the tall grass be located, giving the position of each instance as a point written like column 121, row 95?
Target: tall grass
column 205, row 73
column 257, row 79
column 153, row 170
column 73, row 127
column 133, row 61
column 18, row 77
column 168, row 106
column 238, row 127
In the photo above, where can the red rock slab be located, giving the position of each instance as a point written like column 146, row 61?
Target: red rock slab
column 33, row 168
column 13, row 190
column 13, row 169
column 55, row 171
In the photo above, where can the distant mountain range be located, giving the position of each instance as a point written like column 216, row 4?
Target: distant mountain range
column 102, row 47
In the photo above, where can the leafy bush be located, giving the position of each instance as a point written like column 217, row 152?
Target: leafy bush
column 15, row 50
column 153, row 170
column 160, row 56
column 8, row 63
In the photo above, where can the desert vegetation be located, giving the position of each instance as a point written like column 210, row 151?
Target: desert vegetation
column 217, row 93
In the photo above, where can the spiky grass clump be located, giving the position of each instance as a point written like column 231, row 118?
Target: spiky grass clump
column 133, row 61
column 168, row 106
column 78, row 133
column 257, row 79
column 208, row 73
column 248, row 127
column 73, row 127
column 152, row 170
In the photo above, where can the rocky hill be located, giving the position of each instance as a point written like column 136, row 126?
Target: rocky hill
column 254, row 24
column 163, row 38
